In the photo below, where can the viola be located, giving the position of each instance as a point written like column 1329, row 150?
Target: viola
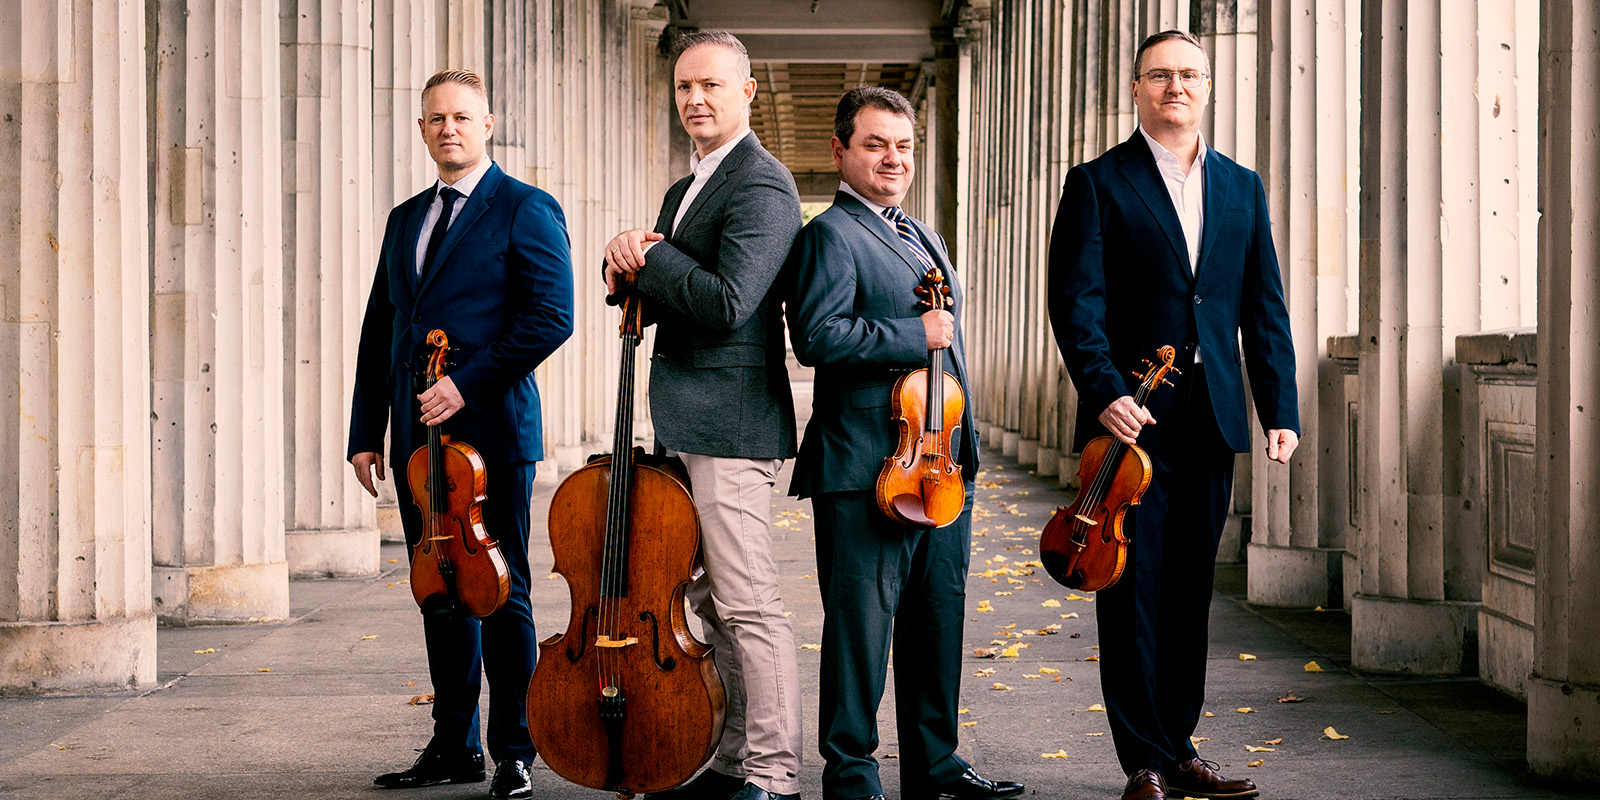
column 626, row 699
column 455, row 565
column 920, row 485
column 1083, row 546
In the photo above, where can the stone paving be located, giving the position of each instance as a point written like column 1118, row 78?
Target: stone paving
column 314, row 707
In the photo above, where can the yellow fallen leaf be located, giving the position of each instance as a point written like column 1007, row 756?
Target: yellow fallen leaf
column 1026, row 675
column 369, row 638
column 1095, row 707
column 1072, row 615
column 1209, row 714
column 1051, row 603
column 421, row 699
column 1000, row 687
column 1246, row 657
column 816, row 648
column 1256, row 763
column 1091, row 658
column 1199, row 739
column 1094, row 734
column 405, row 581
column 1056, row 754
column 1002, row 594
column 968, row 724
column 985, row 672
column 1278, row 740
column 1252, row 748
column 394, row 561
column 552, row 576
column 1010, row 652
column 206, row 651
column 1330, row 733
column 1076, row 596
column 1311, row 666
column 984, row 607
column 263, row 669
column 965, row 711
column 1008, row 627
column 1245, row 710
column 1049, row 670
column 986, row 652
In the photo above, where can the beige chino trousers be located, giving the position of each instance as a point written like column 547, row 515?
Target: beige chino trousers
column 737, row 598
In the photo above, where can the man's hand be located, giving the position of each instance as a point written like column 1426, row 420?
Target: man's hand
column 940, row 328
column 440, row 402
column 364, row 462
column 1123, row 418
column 625, row 255
column 1281, row 443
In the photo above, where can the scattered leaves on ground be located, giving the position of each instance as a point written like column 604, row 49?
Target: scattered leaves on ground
column 369, row 638
column 1071, row 615
column 207, row 651
column 1199, row 739
column 1010, row 652
column 1330, row 733
column 1246, row 657
column 1091, row 658
column 1278, row 740
column 421, row 699
column 1252, row 748
column 986, row 652
column 816, row 648
column 1311, row 666
column 1049, row 670
column 1291, row 697
column 1256, row 763
column 1096, row 707
column 263, row 669
column 1000, row 687
column 984, row 607
column 1245, row 710
column 1209, row 714
column 1056, row 754
column 1051, row 603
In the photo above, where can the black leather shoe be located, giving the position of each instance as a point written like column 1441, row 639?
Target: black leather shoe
column 754, row 792
column 513, row 780
column 434, row 767
column 708, row 785
column 972, row 786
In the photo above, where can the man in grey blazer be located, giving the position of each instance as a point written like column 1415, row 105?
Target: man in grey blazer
column 719, row 394
column 854, row 316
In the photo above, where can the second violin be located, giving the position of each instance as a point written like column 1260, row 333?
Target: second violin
column 920, row 485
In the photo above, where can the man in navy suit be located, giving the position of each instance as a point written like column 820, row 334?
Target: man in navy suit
column 1164, row 241
column 485, row 258
column 854, row 316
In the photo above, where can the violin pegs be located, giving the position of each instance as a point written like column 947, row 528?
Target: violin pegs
column 1166, row 382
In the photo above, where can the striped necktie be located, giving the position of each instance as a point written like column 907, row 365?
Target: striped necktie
column 902, row 225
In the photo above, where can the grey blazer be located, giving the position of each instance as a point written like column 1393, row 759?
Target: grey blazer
column 718, row 383
column 854, row 317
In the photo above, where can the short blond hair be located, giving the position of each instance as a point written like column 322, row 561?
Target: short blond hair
column 462, row 77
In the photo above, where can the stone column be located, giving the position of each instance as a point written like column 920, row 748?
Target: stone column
column 328, row 251
column 217, row 421
column 74, row 364
column 1564, row 690
column 1415, row 611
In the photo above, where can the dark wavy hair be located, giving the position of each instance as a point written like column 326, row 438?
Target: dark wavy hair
column 844, row 119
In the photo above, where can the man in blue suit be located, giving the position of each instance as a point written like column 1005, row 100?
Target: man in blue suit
column 854, row 316
column 1163, row 240
column 485, row 258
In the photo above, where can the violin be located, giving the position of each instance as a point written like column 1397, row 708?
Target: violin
column 626, row 699
column 1083, row 546
column 455, row 565
column 920, row 485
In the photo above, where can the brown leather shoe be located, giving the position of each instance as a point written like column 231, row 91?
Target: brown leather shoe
column 1199, row 778
column 1145, row 785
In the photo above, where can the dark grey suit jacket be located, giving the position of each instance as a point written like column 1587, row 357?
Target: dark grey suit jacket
column 718, row 383
column 854, row 317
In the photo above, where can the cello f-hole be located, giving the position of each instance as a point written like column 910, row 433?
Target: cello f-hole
column 583, row 639
column 667, row 664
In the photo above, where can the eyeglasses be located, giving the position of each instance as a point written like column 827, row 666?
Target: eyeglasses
column 1162, row 78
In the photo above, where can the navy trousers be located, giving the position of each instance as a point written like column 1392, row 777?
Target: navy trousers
column 462, row 648
column 1153, row 622
column 886, row 584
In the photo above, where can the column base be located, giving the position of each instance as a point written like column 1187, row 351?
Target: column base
column 390, row 529
column 1352, row 578
column 1417, row 637
column 201, row 595
column 1563, row 729
column 1505, row 652
column 118, row 653
column 1294, row 577
column 1010, row 442
column 340, row 553
column 1049, row 462
column 1028, row 452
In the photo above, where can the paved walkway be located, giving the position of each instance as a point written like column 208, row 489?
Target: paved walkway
column 316, row 706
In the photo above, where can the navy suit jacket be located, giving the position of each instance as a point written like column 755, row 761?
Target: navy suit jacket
column 500, row 288
column 854, row 317
column 1120, row 287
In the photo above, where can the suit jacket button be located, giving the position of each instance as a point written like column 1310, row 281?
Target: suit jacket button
column 418, row 318
column 1197, row 299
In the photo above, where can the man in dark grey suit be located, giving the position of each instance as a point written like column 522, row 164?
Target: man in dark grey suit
column 719, row 393
column 854, row 316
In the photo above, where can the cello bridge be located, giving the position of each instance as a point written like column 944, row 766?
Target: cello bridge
column 607, row 641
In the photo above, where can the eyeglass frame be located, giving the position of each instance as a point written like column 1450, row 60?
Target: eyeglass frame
column 1174, row 74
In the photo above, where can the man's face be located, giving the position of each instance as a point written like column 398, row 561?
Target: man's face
column 455, row 125
column 1174, row 107
column 879, row 162
column 713, row 97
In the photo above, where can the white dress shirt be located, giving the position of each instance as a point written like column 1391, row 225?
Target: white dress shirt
column 1187, row 191
column 873, row 207
column 702, row 168
column 436, row 206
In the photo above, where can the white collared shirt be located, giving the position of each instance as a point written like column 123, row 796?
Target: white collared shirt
column 873, row 207
column 1186, row 190
column 435, row 206
column 703, row 168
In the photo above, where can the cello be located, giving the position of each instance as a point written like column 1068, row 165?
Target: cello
column 626, row 699
column 1083, row 546
column 455, row 565
column 920, row 485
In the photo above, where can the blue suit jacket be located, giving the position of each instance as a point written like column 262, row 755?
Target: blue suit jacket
column 1120, row 287
column 854, row 316
column 500, row 288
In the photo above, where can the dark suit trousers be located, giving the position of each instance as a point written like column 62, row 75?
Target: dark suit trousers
column 1153, row 621
column 461, row 648
column 885, row 584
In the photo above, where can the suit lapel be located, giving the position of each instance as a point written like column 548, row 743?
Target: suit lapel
column 1138, row 166
column 1211, row 201
column 730, row 164
column 408, row 243
column 476, row 204
column 880, row 228
column 669, row 205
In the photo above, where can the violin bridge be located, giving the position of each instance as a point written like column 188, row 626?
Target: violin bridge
column 607, row 641
column 1083, row 519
